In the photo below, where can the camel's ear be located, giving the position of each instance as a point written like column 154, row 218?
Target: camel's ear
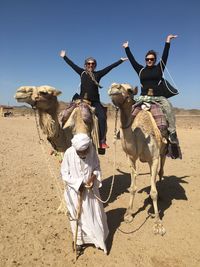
column 116, row 85
column 57, row 92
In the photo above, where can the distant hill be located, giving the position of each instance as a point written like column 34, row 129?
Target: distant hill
column 26, row 110
column 181, row 111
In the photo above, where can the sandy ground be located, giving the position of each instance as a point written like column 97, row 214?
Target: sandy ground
column 33, row 233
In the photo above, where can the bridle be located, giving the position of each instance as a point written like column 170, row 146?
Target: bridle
column 125, row 94
column 126, row 97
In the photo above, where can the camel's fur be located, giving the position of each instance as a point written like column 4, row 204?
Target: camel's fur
column 142, row 140
column 44, row 99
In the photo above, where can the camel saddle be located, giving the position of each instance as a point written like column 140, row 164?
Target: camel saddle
column 156, row 112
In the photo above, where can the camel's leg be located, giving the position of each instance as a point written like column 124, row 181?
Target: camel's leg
column 162, row 163
column 128, row 215
column 158, row 227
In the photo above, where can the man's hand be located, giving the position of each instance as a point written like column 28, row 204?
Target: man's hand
column 62, row 53
column 89, row 185
column 90, row 182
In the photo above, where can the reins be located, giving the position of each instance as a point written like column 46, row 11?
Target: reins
column 53, row 175
column 114, row 162
column 161, row 62
column 137, row 229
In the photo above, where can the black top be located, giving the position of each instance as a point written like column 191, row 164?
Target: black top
column 89, row 89
column 149, row 76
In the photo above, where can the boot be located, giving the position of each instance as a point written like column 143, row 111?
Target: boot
column 173, row 139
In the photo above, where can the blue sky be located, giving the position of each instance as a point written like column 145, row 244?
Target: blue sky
column 34, row 31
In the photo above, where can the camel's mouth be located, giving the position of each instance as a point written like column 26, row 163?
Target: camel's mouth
column 24, row 98
column 21, row 98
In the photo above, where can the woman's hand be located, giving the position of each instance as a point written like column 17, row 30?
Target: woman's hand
column 62, row 53
column 124, row 58
column 125, row 45
column 170, row 37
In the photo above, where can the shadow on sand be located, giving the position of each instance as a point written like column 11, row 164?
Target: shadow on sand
column 121, row 184
column 169, row 189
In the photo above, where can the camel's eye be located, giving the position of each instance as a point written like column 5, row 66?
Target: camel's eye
column 130, row 91
column 43, row 93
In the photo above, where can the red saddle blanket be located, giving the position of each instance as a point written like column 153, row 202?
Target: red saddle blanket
column 156, row 112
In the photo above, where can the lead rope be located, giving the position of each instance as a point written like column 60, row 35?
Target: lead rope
column 58, row 187
column 162, row 62
column 114, row 162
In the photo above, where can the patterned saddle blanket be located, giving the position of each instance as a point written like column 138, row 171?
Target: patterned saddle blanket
column 174, row 150
column 156, row 112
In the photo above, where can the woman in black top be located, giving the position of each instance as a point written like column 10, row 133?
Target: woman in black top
column 150, row 76
column 90, row 88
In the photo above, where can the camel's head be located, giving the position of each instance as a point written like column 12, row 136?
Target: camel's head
column 24, row 94
column 122, row 93
column 42, row 97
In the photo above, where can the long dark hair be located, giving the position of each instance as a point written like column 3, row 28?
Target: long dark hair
column 152, row 52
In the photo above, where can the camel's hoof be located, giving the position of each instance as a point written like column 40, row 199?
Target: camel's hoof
column 158, row 228
column 128, row 218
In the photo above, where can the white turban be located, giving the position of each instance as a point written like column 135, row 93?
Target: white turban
column 81, row 141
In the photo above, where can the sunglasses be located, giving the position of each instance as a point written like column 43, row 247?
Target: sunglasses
column 149, row 58
column 90, row 63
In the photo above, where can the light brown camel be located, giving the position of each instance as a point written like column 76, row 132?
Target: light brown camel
column 59, row 134
column 44, row 99
column 141, row 139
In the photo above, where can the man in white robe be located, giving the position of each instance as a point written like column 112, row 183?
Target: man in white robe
column 80, row 169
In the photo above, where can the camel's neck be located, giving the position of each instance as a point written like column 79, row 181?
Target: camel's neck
column 55, row 134
column 49, row 122
column 128, row 139
column 80, row 126
column 125, row 116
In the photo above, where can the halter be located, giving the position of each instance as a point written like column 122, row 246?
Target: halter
column 126, row 97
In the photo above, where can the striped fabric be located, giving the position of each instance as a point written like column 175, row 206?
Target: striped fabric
column 156, row 112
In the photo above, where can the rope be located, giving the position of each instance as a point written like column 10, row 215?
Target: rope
column 137, row 229
column 37, row 126
column 114, row 163
column 116, row 117
column 161, row 62
column 58, row 187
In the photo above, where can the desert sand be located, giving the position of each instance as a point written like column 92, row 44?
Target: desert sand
column 33, row 233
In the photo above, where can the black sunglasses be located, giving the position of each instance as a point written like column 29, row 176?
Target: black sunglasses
column 90, row 63
column 149, row 58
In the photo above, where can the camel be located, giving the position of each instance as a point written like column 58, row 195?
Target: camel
column 81, row 119
column 44, row 99
column 141, row 139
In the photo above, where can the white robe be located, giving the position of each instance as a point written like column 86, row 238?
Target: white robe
column 93, row 226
